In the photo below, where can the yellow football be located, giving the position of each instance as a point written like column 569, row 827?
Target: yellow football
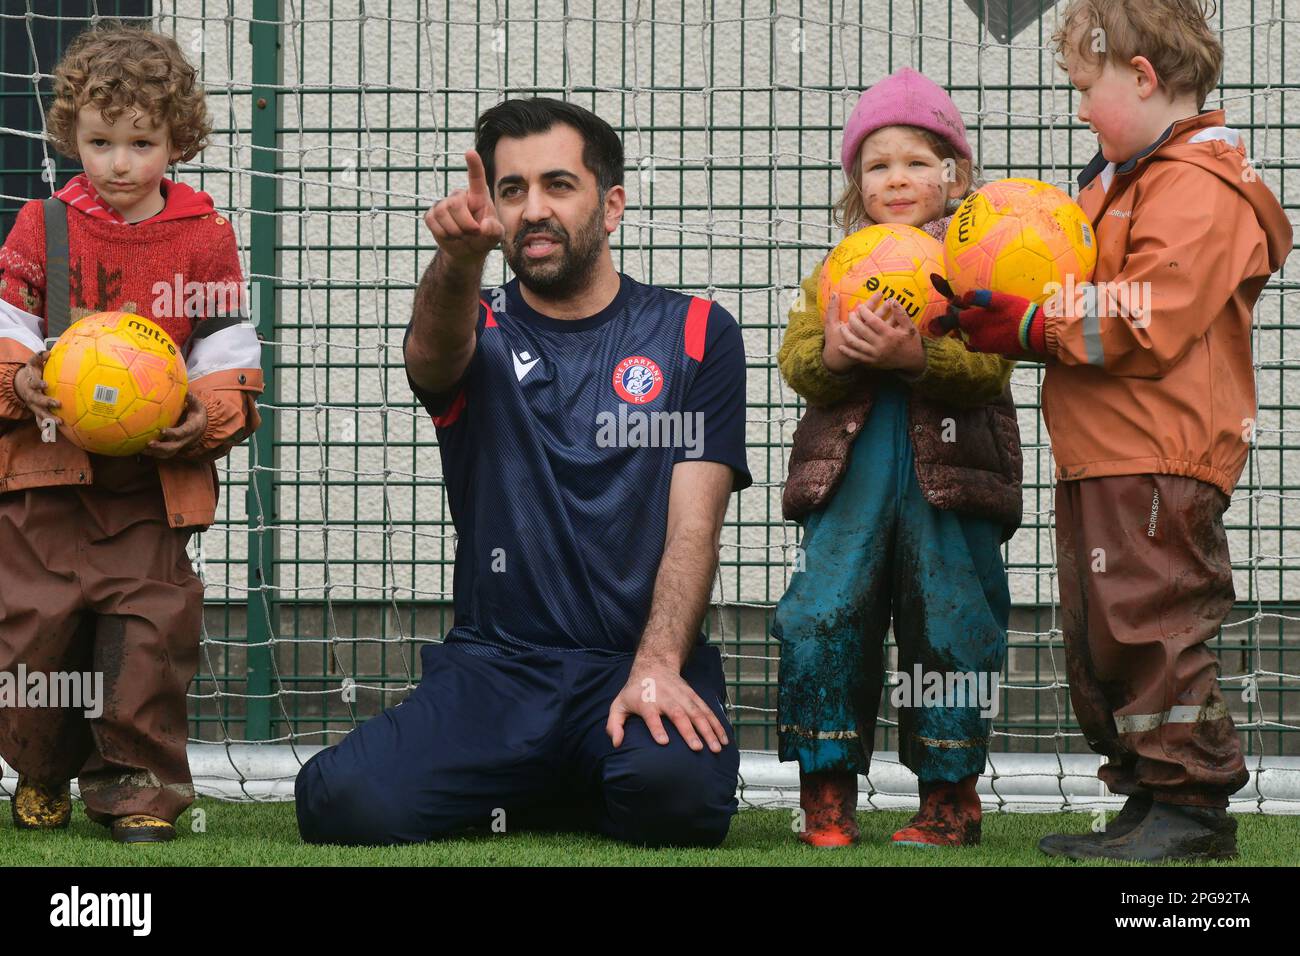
column 892, row 259
column 1019, row 236
column 119, row 380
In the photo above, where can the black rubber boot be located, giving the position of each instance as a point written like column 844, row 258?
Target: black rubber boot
column 142, row 828
column 1170, row 832
column 1130, row 815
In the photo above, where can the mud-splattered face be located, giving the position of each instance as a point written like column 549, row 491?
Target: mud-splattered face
column 901, row 178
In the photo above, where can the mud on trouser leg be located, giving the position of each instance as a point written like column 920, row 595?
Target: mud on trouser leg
column 827, row 698
column 140, row 764
column 951, row 608
column 833, row 617
column 1141, row 653
column 147, row 636
column 831, row 623
column 48, row 745
column 42, row 630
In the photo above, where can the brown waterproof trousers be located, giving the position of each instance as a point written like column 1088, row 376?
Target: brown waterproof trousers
column 1145, row 581
column 94, row 580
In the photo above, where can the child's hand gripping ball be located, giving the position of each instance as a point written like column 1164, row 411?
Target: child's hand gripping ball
column 891, row 260
column 119, row 380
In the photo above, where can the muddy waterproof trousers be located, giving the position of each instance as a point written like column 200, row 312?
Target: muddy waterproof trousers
column 877, row 550
column 1145, row 582
column 98, row 584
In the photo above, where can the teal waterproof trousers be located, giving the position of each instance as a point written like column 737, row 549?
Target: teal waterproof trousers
column 880, row 550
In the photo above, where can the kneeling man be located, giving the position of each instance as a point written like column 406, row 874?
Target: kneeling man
column 591, row 429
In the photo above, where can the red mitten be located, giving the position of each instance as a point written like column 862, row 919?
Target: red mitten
column 996, row 322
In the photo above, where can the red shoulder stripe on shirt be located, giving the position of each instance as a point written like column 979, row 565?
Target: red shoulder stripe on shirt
column 697, row 325
column 491, row 319
column 448, row 418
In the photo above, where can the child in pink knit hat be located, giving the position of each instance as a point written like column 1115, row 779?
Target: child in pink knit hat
column 905, row 473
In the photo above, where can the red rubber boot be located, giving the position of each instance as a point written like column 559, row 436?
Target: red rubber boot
column 949, row 815
column 830, row 801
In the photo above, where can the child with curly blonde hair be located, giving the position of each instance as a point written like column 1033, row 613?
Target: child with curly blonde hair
column 1149, row 398
column 96, row 581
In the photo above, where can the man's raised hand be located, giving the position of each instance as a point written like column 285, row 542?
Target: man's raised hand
column 465, row 224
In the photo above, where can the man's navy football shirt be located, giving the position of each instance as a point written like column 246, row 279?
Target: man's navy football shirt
column 558, row 446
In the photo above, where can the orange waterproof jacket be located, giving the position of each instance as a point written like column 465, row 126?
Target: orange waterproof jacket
column 222, row 358
column 1153, row 374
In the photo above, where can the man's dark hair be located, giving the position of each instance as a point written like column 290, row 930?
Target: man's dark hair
column 602, row 150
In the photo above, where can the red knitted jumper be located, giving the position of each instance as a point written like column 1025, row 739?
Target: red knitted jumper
column 137, row 268
column 142, row 268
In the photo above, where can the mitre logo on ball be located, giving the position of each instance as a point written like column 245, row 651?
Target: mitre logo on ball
column 119, row 380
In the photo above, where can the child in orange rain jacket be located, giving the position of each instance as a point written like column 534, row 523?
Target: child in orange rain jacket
column 1149, row 398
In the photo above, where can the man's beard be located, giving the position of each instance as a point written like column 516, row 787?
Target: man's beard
column 573, row 271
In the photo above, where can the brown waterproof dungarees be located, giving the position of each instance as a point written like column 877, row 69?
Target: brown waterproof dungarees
column 97, row 581
column 1145, row 582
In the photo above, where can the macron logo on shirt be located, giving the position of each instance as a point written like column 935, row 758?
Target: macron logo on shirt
column 523, row 363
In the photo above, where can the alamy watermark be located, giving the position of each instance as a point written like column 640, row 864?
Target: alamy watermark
column 76, row 908
column 204, row 299
column 922, row 688
column 634, row 428
column 82, row 690
column 1122, row 300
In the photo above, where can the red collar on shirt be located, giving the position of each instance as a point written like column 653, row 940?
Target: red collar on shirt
column 180, row 202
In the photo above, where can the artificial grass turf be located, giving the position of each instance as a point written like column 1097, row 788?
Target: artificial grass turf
column 266, row 834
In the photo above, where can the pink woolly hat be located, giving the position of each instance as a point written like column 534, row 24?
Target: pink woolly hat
column 904, row 98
